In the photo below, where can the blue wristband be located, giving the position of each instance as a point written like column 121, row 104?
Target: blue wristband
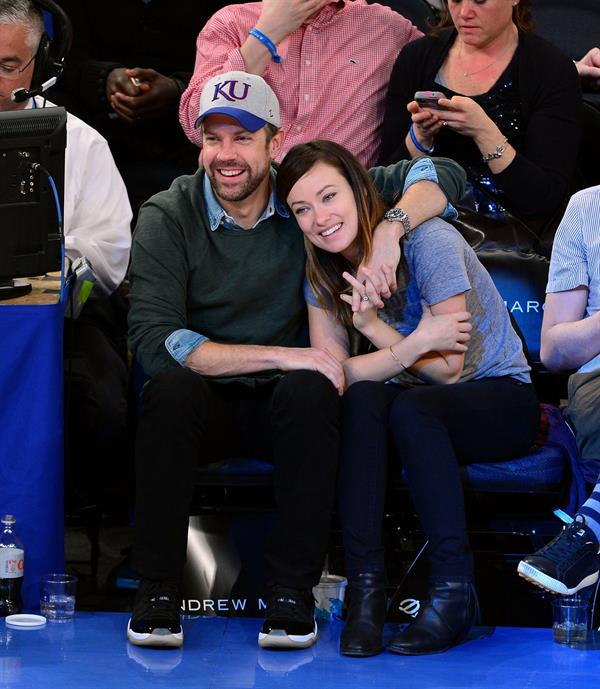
column 417, row 144
column 267, row 42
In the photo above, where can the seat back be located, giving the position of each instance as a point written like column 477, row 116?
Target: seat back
column 572, row 25
column 521, row 280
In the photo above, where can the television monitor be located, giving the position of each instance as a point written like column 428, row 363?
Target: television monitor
column 32, row 150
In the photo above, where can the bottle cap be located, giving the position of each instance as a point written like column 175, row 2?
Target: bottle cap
column 8, row 519
column 25, row 621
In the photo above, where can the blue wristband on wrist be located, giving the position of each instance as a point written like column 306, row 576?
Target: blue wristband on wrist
column 417, row 144
column 267, row 42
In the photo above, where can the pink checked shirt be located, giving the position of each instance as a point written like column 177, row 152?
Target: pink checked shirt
column 332, row 81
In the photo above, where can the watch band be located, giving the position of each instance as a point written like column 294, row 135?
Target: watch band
column 399, row 215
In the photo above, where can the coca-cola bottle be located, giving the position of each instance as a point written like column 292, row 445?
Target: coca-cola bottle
column 12, row 559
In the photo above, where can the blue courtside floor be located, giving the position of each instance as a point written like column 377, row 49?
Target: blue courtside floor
column 221, row 653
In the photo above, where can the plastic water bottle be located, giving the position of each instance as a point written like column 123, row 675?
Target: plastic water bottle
column 12, row 559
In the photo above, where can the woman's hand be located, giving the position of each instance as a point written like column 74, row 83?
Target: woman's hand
column 364, row 302
column 464, row 116
column 447, row 332
column 426, row 123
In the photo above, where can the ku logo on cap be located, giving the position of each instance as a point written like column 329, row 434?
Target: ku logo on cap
column 227, row 90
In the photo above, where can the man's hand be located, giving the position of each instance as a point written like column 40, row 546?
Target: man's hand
column 589, row 67
column 313, row 359
column 446, row 332
column 140, row 94
column 279, row 18
column 118, row 81
column 379, row 272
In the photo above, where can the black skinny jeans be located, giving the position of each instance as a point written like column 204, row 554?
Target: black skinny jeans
column 186, row 419
column 433, row 429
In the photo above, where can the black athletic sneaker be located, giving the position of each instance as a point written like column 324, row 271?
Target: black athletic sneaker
column 155, row 619
column 290, row 620
column 568, row 563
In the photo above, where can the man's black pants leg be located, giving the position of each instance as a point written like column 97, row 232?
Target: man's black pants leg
column 187, row 420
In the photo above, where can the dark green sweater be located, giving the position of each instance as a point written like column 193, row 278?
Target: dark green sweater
column 233, row 287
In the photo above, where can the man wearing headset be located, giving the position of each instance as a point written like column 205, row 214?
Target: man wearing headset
column 97, row 219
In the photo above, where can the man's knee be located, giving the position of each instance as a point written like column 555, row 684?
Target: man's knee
column 177, row 388
column 306, row 392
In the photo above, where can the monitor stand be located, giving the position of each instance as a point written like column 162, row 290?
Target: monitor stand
column 13, row 289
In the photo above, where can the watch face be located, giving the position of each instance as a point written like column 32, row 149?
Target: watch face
column 399, row 215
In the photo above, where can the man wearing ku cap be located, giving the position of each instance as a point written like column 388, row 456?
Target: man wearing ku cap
column 218, row 321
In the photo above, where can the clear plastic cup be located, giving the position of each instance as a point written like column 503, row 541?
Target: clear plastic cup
column 57, row 597
column 570, row 620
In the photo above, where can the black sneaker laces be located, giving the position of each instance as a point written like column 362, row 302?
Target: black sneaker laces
column 568, row 544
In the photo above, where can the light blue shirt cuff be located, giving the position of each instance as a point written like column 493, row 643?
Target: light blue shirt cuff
column 424, row 169
column 180, row 343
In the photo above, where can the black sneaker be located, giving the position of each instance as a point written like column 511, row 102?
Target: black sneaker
column 568, row 563
column 290, row 620
column 155, row 618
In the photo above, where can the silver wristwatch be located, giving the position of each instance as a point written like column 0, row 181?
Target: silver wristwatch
column 398, row 215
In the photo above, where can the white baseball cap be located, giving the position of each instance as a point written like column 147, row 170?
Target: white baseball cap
column 245, row 97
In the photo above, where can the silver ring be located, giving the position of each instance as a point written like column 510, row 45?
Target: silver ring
column 365, row 298
column 445, row 123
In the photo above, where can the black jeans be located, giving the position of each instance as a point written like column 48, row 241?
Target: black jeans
column 187, row 419
column 433, row 429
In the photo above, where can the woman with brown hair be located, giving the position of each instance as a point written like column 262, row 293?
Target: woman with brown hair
column 436, row 402
column 509, row 113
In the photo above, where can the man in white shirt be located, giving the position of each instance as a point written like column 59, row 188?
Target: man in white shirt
column 97, row 219
column 571, row 342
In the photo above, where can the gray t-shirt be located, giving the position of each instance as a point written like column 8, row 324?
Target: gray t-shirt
column 440, row 265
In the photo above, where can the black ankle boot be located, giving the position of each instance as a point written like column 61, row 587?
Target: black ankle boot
column 444, row 620
column 362, row 635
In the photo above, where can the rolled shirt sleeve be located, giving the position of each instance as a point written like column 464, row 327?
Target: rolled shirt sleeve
column 181, row 343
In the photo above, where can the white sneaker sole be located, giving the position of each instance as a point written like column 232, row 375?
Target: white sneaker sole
column 534, row 576
column 277, row 638
column 159, row 638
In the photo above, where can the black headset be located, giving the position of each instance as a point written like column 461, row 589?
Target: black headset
column 50, row 55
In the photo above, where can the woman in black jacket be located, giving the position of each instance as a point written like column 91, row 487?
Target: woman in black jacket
column 510, row 112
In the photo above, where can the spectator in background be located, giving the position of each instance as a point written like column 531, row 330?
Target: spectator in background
column 129, row 64
column 571, row 342
column 589, row 69
column 97, row 219
column 511, row 111
column 328, row 61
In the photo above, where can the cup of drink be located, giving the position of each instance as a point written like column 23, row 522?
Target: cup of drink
column 57, row 598
column 329, row 597
column 570, row 620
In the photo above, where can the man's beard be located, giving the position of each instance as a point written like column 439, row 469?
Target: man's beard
column 253, row 180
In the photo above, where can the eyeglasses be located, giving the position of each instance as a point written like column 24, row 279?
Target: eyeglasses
column 12, row 73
